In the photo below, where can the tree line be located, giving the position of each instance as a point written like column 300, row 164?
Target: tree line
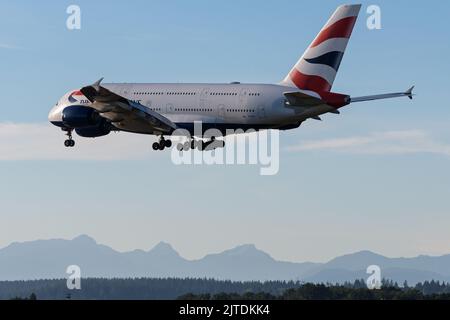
column 310, row 291
column 190, row 288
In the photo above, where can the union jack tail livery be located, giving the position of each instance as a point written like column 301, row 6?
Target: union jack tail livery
column 317, row 68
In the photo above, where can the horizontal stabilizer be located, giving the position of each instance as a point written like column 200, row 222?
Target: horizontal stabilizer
column 297, row 98
column 301, row 99
column 408, row 93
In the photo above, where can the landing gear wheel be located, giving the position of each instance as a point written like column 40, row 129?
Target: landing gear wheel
column 186, row 146
column 200, row 145
column 193, row 144
column 162, row 144
column 180, row 147
column 69, row 142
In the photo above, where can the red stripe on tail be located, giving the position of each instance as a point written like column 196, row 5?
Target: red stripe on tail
column 313, row 83
column 340, row 29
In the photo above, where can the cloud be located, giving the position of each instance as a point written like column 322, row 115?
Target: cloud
column 8, row 46
column 381, row 143
column 28, row 141
column 41, row 141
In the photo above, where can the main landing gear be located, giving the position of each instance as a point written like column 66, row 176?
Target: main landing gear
column 190, row 144
column 69, row 143
column 201, row 145
column 162, row 144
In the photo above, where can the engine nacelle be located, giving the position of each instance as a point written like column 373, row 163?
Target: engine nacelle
column 103, row 128
column 80, row 117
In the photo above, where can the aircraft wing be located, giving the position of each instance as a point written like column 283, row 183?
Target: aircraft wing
column 126, row 114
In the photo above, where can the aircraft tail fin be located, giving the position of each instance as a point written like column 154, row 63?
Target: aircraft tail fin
column 317, row 68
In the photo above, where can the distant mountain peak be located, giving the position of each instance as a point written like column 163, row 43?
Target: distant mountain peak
column 163, row 248
column 361, row 254
column 84, row 239
column 367, row 252
column 48, row 259
column 359, row 260
column 245, row 250
column 162, row 245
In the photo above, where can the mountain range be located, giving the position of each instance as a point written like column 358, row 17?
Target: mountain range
column 49, row 259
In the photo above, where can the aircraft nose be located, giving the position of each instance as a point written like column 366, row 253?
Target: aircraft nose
column 55, row 116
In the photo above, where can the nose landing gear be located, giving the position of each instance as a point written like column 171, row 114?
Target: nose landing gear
column 69, row 143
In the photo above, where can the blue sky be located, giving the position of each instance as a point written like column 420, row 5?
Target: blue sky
column 376, row 177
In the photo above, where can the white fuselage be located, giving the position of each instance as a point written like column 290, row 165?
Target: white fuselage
column 221, row 106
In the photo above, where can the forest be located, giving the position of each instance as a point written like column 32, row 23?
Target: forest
column 210, row 289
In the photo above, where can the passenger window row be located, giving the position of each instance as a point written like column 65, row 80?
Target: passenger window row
column 192, row 93
column 181, row 93
column 168, row 93
column 241, row 110
column 206, row 110
column 194, row 109
column 231, row 94
column 149, row 93
column 223, row 94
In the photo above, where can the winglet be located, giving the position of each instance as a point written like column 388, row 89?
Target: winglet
column 409, row 93
column 96, row 84
column 92, row 91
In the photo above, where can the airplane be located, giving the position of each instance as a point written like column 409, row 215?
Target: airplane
column 161, row 109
